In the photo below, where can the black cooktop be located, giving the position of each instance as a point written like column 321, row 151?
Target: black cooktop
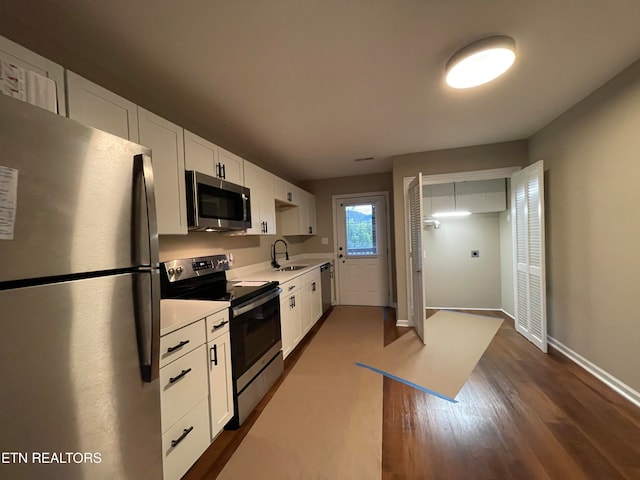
column 204, row 278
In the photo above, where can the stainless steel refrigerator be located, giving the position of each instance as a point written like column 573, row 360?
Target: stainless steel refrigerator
column 79, row 302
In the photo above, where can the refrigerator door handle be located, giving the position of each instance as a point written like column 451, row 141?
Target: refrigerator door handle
column 150, row 197
column 148, row 315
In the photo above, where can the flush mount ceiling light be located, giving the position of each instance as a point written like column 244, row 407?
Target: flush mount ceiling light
column 480, row 62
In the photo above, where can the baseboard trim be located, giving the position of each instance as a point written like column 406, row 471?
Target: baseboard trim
column 507, row 314
column 464, row 308
column 402, row 323
column 612, row 382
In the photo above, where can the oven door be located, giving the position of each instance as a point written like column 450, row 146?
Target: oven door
column 255, row 336
column 216, row 205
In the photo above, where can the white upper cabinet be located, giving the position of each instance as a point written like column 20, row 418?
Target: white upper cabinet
column 34, row 68
column 286, row 192
column 97, row 107
column 481, row 196
column 301, row 219
column 166, row 141
column 263, row 207
column 231, row 167
column 438, row 198
column 205, row 157
column 200, row 155
column 477, row 196
column 308, row 218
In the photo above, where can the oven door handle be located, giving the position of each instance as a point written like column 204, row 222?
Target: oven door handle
column 255, row 302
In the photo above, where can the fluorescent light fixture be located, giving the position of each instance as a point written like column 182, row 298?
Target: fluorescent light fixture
column 480, row 62
column 461, row 213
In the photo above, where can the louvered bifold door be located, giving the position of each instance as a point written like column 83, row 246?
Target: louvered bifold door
column 527, row 203
column 415, row 255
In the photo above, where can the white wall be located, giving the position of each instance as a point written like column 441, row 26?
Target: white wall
column 453, row 278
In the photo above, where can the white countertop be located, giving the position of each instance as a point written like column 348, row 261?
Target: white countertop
column 175, row 314
column 282, row 277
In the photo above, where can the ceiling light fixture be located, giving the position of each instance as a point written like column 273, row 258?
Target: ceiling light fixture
column 480, row 62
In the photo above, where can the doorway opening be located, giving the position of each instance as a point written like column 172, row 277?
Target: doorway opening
column 361, row 244
column 491, row 260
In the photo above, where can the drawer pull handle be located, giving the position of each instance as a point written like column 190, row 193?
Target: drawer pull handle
column 221, row 324
column 182, row 374
column 292, row 287
column 180, row 345
column 214, row 354
column 185, row 432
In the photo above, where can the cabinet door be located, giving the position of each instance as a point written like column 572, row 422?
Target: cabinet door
column 231, row 167
column 200, row 154
column 316, row 300
column 99, row 108
column 285, row 191
column 311, row 206
column 32, row 62
column 263, row 213
column 290, row 320
column 481, row 196
column 438, row 198
column 220, row 383
column 307, row 215
column 167, row 153
column 306, row 296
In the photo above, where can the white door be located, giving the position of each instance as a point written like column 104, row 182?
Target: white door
column 527, row 208
column 362, row 251
column 415, row 254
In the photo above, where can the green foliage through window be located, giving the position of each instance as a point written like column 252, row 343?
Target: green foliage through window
column 361, row 230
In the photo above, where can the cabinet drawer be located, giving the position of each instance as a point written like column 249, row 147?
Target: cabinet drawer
column 217, row 324
column 183, row 383
column 194, row 430
column 182, row 341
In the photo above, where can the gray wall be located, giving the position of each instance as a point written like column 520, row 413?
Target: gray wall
column 506, row 263
column 592, row 166
column 325, row 189
column 466, row 159
column 454, row 279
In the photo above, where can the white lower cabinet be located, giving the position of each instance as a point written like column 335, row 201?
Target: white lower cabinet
column 300, row 308
column 196, row 390
column 290, row 318
column 220, row 380
column 185, row 441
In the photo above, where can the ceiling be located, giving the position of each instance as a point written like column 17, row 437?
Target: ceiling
column 305, row 87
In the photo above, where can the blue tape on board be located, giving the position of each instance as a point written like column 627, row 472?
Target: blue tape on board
column 407, row 382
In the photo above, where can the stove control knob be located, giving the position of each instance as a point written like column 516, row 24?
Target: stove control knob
column 171, row 272
column 178, row 270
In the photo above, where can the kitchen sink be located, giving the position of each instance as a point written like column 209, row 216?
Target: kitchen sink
column 290, row 268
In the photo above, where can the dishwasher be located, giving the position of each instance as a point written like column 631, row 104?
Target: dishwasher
column 326, row 274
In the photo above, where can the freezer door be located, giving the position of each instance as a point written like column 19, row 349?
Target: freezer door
column 72, row 383
column 82, row 196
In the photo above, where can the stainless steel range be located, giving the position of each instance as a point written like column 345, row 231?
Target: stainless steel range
column 254, row 313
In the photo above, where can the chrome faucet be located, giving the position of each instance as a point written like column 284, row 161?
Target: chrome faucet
column 275, row 264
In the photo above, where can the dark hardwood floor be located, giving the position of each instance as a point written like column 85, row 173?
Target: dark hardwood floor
column 521, row 415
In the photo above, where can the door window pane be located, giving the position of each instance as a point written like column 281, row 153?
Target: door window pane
column 361, row 230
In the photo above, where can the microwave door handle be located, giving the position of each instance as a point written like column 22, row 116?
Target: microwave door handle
column 245, row 200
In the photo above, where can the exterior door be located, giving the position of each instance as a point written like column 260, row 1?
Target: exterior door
column 415, row 255
column 527, row 207
column 362, row 251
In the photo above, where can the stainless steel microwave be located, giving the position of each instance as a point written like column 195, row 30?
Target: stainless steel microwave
column 216, row 205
